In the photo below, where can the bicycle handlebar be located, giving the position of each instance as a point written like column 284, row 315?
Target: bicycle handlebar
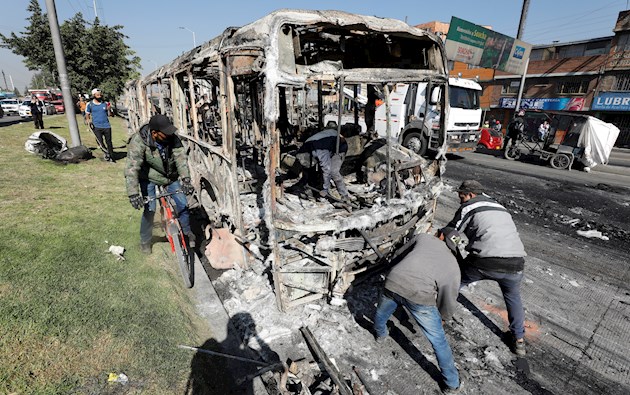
column 148, row 199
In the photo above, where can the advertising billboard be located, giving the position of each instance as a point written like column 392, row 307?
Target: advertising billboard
column 478, row 46
column 545, row 103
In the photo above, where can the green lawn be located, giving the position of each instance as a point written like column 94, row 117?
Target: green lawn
column 70, row 313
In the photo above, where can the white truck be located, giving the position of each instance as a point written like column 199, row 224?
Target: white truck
column 410, row 102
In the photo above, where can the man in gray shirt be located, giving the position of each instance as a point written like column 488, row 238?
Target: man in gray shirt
column 426, row 282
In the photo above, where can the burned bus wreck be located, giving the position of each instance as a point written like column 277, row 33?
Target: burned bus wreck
column 246, row 101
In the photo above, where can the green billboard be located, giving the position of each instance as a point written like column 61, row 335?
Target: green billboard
column 478, row 46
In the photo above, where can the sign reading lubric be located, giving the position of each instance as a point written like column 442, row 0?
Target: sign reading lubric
column 478, row 46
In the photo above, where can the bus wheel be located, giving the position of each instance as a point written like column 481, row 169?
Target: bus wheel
column 417, row 142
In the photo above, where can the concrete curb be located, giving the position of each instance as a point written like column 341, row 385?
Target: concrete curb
column 210, row 308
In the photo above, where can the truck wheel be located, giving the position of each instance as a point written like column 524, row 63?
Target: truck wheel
column 417, row 142
column 560, row 161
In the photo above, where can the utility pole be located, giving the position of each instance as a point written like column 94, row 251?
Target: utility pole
column 94, row 4
column 6, row 86
column 519, row 34
column 63, row 73
column 11, row 79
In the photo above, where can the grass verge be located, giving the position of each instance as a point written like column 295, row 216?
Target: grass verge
column 70, row 313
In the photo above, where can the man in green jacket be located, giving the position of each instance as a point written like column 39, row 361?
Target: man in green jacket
column 156, row 156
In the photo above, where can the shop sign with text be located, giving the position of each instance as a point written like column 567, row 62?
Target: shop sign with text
column 611, row 102
column 545, row 103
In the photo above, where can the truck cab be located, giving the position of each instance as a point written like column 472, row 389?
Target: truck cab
column 409, row 104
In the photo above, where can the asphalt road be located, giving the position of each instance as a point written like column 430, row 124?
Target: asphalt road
column 576, row 291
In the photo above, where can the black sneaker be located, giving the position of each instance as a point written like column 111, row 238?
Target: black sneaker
column 145, row 248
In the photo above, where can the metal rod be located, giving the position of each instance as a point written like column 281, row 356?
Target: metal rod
column 340, row 110
column 356, row 104
column 388, row 117
column 320, row 105
column 371, row 244
column 330, row 368
column 220, row 354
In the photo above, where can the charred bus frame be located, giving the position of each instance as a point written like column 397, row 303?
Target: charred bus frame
column 245, row 100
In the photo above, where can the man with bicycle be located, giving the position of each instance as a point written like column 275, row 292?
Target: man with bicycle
column 156, row 156
column 514, row 130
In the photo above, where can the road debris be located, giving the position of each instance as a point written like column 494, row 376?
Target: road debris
column 592, row 234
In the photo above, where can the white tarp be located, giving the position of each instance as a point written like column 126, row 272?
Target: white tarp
column 597, row 138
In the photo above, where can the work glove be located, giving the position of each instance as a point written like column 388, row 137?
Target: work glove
column 187, row 187
column 136, row 201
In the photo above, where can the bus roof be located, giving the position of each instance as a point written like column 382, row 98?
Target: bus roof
column 260, row 34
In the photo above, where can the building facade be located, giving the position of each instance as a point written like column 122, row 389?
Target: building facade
column 588, row 76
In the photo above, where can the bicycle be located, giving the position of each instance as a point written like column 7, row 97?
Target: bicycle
column 175, row 235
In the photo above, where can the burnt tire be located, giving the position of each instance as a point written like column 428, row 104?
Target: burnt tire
column 560, row 161
column 417, row 142
column 512, row 153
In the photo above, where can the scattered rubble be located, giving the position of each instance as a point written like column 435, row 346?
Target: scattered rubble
column 592, row 234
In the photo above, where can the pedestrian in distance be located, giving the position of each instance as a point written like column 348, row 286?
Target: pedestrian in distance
column 156, row 156
column 543, row 129
column 81, row 104
column 96, row 114
column 322, row 147
column 495, row 252
column 426, row 283
column 497, row 126
column 514, row 130
column 37, row 112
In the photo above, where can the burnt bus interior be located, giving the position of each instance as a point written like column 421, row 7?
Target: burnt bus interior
column 242, row 151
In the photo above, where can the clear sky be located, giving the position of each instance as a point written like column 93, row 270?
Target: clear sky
column 153, row 25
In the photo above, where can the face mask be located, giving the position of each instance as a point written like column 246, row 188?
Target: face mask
column 98, row 99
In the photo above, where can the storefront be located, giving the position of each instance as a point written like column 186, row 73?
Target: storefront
column 614, row 107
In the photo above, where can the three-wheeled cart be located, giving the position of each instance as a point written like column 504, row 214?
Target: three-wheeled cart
column 571, row 136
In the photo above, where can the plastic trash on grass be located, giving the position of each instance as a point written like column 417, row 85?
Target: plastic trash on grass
column 117, row 378
column 118, row 251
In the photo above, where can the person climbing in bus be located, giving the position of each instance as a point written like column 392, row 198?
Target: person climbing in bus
column 322, row 147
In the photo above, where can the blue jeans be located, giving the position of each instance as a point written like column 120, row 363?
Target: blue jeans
column 510, row 284
column 430, row 321
column 146, row 224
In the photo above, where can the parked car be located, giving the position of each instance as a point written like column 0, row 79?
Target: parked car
column 1, row 112
column 490, row 139
column 49, row 108
column 25, row 109
column 59, row 107
column 10, row 106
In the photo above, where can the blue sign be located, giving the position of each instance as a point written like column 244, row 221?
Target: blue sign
column 519, row 52
column 545, row 103
column 611, row 102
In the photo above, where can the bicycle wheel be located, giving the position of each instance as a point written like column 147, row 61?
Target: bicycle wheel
column 185, row 258
column 512, row 153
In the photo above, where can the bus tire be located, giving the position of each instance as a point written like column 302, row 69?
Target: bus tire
column 417, row 142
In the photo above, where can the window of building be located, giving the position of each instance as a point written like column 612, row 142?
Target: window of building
column 597, row 48
column 622, row 82
column 571, row 51
column 510, row 88
column 573, row 87
column 536, row 54
column 623, row 42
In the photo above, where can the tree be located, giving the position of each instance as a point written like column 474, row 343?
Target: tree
column 96, row 56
